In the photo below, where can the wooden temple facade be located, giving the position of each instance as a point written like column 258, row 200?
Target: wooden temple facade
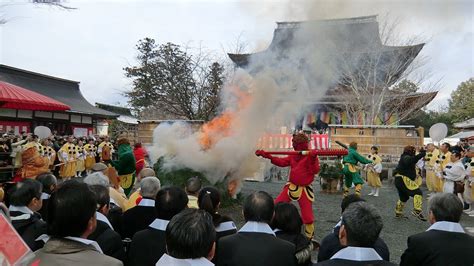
column 348, row 39
column 81, row 119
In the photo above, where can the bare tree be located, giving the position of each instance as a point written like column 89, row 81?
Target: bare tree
column 52, row 3
column 55, row 3
column 119, row 129
column 371, row 77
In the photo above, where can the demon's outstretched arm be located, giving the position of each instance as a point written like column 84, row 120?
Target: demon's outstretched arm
column 282, row 162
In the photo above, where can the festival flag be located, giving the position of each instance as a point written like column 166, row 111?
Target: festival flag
column 386, row 118
column 393, row 119
column 343, row 118
column 311, row 118
column 324, row 116
column 361, row 118
column 338, row 118
column 333, row 118
column 379, row 120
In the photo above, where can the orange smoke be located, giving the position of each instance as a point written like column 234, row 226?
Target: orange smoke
column 221, row 126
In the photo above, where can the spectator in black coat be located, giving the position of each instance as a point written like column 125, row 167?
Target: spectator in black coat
column 330, row 244
column 287, row 225
column 190, row 239
column 149, row 245
column 140, row 216
column 49, row 182
column 25, row 201
column 109, row 241
column 445, row 242
column 256, row 243
column 360, row 227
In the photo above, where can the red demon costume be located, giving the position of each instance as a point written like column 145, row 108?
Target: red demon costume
column 298, row 187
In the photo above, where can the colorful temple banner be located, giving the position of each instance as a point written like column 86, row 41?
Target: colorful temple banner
column 324, row 116
column 341, row 118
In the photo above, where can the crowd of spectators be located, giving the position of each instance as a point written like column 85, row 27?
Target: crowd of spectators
column 79, row 227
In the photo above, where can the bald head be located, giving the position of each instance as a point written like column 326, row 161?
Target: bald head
column 259, row 207
column 146, row 172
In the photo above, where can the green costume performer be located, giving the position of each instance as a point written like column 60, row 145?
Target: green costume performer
column 125, row 165
column 351, row 173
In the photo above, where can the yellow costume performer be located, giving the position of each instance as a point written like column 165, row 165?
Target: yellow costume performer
column 373, row 172
column 430, row 167
column 469, row 190
column 50, row 154
column 67, row 156
column 441, row 162
column 90, row 150
column 105, row 150
column 80, row 160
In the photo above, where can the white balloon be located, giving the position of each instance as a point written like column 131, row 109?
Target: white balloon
column 438, row 131
column 42, row 132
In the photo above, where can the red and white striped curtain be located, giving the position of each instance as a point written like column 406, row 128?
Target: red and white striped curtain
column 283, row 142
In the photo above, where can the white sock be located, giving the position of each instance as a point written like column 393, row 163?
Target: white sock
column 376, row 192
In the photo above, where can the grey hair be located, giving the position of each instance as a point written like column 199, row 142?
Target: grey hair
column 363, row 224
column 97, row 178
column 445, row 207
column 149, row 186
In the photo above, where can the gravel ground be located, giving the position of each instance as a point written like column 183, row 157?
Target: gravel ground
column 327, row 210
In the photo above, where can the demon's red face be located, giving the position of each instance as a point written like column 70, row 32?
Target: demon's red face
column 300, row 146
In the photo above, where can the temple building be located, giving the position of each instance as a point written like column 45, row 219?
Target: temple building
column 352, row 55
column 29, row 99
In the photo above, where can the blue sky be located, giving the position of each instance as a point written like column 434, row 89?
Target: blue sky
column 94, row 42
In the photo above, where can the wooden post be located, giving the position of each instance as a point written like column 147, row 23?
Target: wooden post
column 421, row 134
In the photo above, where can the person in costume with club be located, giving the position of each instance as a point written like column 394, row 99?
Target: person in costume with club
column 351, row 170
column 90, row 150
column 80, row 158
column 48, row 152
column 469, row 185
column 105, row 150
column 33, row 163
column 430, row 166
column 125, row 165
column 67, row 157
column 406, row 182
column 444, row 157
column 301, row 176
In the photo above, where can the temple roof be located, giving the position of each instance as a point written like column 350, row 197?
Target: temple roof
column 125, row 115
column 63, row 90
column 115, row 109
column 411, row 99
column 349, row 37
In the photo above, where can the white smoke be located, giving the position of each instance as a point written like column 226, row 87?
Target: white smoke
column 282, row 81
column 280, row 87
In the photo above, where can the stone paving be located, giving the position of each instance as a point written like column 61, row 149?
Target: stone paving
column 327, row 212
